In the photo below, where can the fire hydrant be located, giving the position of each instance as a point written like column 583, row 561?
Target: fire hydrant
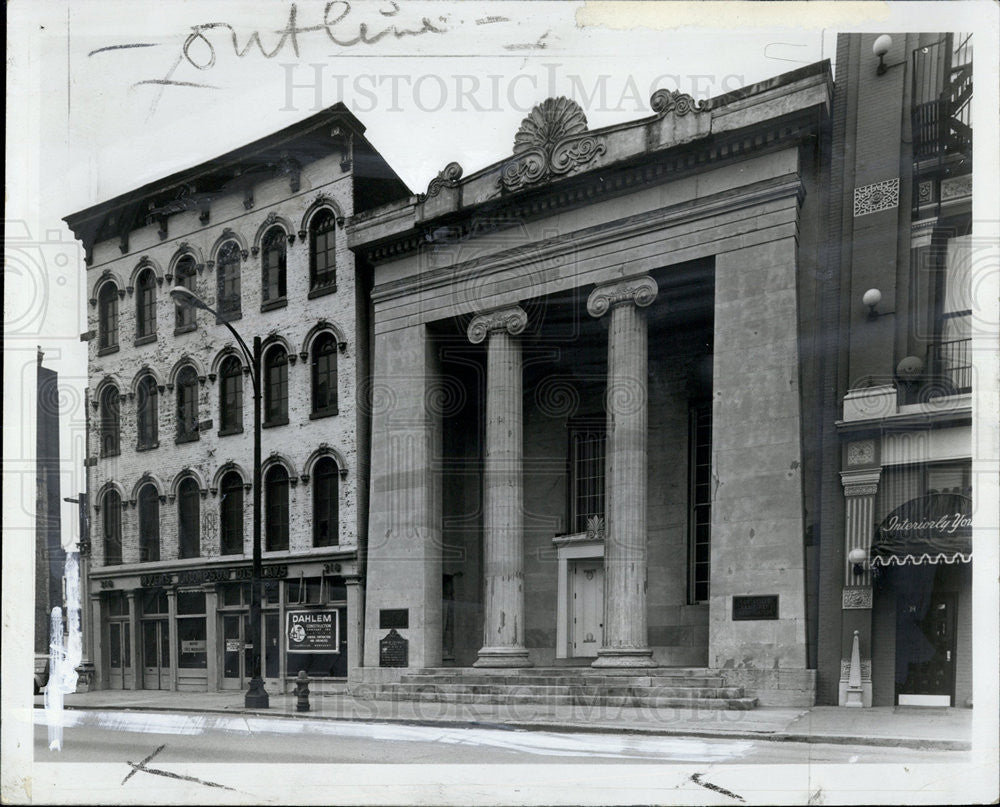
column 302, row 692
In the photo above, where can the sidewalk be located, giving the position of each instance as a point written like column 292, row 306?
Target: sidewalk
column 911, row 727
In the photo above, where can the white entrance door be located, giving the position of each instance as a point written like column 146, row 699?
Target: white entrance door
column 586, row 629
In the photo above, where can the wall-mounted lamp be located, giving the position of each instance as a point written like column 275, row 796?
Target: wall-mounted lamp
column 872, row 298
column 880, row 48
column 857, row 557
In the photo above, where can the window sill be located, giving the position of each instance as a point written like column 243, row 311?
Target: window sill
column 228, row 432
column 108, row 455
column 232, row 316
column 323, row 413
column 186, row 438
column 270, row 305
column 321, row 291
column 104, row 351
column 148, row 447
column 185, row 329
column 148, row 339
column 270, row 424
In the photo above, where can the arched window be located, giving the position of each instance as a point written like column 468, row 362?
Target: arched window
column 149, row 523
column 324, row 375
column 112, row 521
column 147, row 413
column 188, row 519
column 326, row 495
column 276, row 387
column 231, row 513
column 231, row 396
column 273, row 264
column 184, row 275
column 110, row 423
column 228, row 272
column 276, row 508
column 107, row 317
column 145, row 304
column 322, row 252
column 187, row 405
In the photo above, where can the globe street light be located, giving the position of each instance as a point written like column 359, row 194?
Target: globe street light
column 256, row 696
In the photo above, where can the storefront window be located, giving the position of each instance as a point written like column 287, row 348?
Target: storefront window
column 154, row 603
column 191, row 630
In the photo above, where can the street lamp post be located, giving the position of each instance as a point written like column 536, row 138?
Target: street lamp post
column 256, row 696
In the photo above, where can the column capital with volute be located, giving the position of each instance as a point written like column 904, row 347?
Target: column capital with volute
column 639, row 291
column 512, row 319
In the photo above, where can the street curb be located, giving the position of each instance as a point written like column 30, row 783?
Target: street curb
column 916, row 743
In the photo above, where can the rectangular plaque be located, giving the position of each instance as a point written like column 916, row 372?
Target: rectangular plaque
column 389, row 618
column 761, row 606
column 393, row 651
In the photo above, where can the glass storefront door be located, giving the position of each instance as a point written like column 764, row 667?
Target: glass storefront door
column 237, row 651
column 119, row 656
column 155, row 654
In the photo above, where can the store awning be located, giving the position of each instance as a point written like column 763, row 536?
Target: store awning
column 930, row 529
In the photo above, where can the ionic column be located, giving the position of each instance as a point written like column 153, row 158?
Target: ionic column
column 625, row 642
column 503, row 496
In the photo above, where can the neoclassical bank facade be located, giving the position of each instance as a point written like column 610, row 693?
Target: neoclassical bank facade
column 594, row 397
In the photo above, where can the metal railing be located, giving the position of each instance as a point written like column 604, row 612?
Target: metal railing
column 950, row 361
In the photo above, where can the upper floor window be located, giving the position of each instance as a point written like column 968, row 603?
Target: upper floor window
column 145, row 304
column 586, row 466
column 147, row 413
column 326, row 526
column 149, row 523
column 324, row 375
column 188, row 519
column 112, row 523
column 231, row 396
column 231, row 513
column 276, row 387
column 228, row 272
column 276, row 508
column 110, row 422
column 187, row 405
column 273, row 264
column 107, row 317
column 322, row 251
column 184, row 275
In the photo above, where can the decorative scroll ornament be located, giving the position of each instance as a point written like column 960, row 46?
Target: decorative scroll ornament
column 447, row 178
column 595, row 528
column 552, row 141
column 639, row 291
column 666, row 101
column 513, row 320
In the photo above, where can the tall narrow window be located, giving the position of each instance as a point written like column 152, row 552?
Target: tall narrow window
column 276, row 387
column 273, row 264
column 110, row 423
column 322, row 252
column 188, row 519
column 228, row 272
column 324, row 375
column 231, row 513
column 586, row 466
column 112, row 519
column 187, row 405
column 276, row 508
column 184, row 275
column 231, row 396
column 147, row 413
column 145, row 304
column 107, row 317
column 700, row 503
column 326, row 526
column 149, row 523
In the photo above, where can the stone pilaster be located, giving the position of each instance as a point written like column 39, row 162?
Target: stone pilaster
column 175, row 641
column 355, row 625
column 503, row 496
column 626, row 642
column 133, row 640
column 97, row 643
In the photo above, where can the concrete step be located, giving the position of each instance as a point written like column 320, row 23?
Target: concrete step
column 531, row 679
column 573, row 700
column 679, row 691
column 568, row 670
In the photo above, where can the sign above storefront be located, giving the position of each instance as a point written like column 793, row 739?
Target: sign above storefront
column 197, row 577
column 312, row 631
column 936, row 528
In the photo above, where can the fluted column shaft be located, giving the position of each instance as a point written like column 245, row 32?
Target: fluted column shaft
column 626, row 642
column 503, row 495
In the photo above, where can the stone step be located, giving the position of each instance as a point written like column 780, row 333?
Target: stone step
column 574, row 700
column 564, row 680
column 679, row 691
column 568, row 670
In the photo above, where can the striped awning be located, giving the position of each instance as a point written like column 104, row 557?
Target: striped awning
column 936, row 528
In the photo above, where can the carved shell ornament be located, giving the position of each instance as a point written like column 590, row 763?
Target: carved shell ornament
column 552, row 120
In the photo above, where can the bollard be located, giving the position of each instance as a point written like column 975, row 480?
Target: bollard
column 302, row 692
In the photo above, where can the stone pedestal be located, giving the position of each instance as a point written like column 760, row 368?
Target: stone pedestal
column 626, row 642
column 503, row 496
